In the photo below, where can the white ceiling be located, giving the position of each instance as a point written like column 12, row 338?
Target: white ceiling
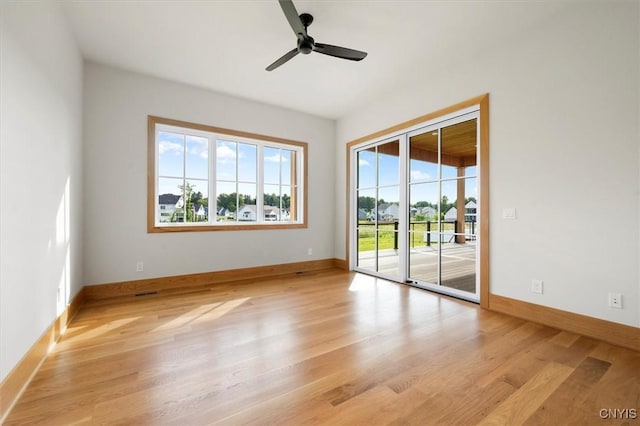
column 225, row 45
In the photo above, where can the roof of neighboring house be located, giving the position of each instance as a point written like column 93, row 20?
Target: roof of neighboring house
column 168, row 199
column 266, row 209
column 385, row 206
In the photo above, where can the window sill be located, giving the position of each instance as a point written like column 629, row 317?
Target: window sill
column 230, row 227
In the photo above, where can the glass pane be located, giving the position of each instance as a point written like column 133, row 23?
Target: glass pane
column 458, row 263
column 272, row 195
column 169, row 199
column 367, row 168
column 366, row 205
column 423, row 154
column 423, row 202
column 388, row 257
column 227, row 201
column 197, row 157
column 247, row 162
column 271, row 165
column 389, row 163
column 225, row 160
column 196, row 209
column 170, row 154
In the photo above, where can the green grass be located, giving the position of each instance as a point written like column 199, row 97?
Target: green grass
column 366, row 235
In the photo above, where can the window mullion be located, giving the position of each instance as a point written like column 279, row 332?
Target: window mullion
column 236, row 181
column 280, row 184
column 212, row 187
column 184, row 180
column 157, row 213
column 260, row 184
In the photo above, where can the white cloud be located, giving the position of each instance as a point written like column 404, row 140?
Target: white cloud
column 199, row 147
column 275, row 158
column 420, row 175
column 363, row 163
column 223, row 152
column 170, row 147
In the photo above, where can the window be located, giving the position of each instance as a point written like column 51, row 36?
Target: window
column 203, row 178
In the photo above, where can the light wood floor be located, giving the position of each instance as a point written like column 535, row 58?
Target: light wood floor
column 322, row 348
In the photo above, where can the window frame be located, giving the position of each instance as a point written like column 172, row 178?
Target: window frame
column 154, row 226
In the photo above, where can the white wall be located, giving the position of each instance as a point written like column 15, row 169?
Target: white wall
column 564, row 104
column 40, row 173
column 116, row 107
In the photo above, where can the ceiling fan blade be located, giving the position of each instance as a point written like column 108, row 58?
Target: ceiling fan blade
column 340, row 52
column 283, row 59
column 292, row 16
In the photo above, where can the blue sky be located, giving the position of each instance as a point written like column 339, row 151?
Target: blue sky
column 178, row 152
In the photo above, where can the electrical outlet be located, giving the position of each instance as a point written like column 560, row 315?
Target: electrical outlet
column 139, row 266
column 615, row 300
column 536, row 286
column 309, row 251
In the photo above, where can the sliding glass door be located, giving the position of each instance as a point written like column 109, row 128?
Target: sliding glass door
column 416, row 204
column 443, row 200
column 378, row 209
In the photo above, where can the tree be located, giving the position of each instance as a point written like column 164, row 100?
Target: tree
column 196, row 197
column 186, row 208
column 366, row 203
column 228, row 201
column 245, row 199
column 421, row 204
column 444, row 204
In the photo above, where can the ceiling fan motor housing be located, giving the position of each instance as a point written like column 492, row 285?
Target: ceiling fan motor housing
column 305, row 45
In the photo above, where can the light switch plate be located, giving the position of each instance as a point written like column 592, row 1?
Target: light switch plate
column 509, row 213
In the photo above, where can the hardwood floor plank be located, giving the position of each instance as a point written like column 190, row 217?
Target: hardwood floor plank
column 330, row 347
column 570, row 394
column 525, row 401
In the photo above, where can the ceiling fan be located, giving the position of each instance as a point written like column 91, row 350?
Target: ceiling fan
column 306, row 43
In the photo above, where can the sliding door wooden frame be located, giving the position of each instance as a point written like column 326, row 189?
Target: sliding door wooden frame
column 482, row 103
